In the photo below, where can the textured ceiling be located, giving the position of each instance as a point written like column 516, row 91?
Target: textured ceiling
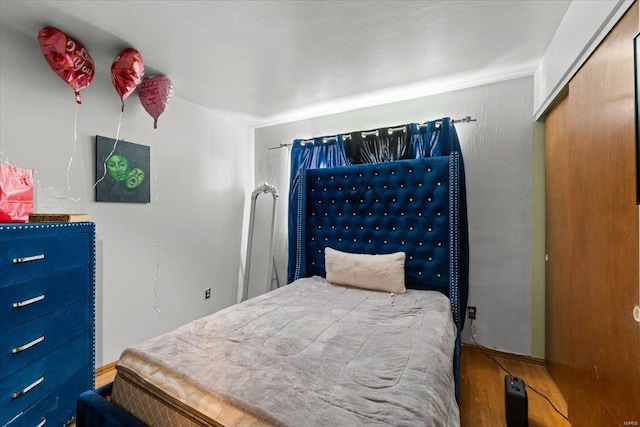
column 272, row 61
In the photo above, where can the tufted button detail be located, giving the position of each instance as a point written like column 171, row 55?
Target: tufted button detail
column 438, row 183
column 439, row 275
column 430, row 258
column 429, row 229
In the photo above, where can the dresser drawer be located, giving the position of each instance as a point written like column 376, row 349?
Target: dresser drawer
column 47, row 412
column 30, row 341
column 26, row 386
column 23, row 301
column 29, row 257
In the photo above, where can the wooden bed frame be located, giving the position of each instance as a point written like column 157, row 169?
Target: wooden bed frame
column 411, row 206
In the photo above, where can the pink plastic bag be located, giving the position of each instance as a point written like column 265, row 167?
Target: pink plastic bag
column 16, row 193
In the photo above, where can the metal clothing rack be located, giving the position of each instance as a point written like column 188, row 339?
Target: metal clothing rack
column 376, row 132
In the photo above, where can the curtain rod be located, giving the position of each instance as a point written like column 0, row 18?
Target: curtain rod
column 465, row 119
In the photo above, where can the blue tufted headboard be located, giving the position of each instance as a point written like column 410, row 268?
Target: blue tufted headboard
column 407, row 205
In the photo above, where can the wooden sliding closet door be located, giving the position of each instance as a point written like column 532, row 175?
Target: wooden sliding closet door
column 592, row 340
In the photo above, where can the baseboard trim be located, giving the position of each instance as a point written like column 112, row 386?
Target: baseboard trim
column 106, row 368
column 497, row 353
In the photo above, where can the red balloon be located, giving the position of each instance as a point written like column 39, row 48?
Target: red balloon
column 155, row 93
column 126, row 72
column 67, row 58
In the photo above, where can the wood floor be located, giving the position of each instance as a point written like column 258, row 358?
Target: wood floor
column 482, row 389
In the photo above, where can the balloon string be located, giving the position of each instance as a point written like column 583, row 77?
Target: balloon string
column 156, row 304
column 104, row 164
column 73, row 152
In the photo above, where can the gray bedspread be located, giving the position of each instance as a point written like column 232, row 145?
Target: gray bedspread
column 315, row 354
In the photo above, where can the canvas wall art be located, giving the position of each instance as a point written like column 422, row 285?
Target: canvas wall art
column 636, row 60
column 128, row 171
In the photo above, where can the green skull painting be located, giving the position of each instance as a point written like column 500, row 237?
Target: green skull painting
column 121, row 171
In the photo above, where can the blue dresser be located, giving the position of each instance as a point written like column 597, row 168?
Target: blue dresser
column 47, row 321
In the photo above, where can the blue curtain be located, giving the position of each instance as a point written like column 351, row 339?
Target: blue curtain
column 323, row 152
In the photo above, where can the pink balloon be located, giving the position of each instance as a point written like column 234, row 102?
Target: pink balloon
column 126, row 72
column 155, row 94
column 67, row 58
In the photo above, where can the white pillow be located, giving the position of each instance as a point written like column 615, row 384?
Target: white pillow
column 375, row 272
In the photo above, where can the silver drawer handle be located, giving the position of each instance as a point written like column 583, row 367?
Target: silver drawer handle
column 28, row 388
column 27, row 345
column 41, row 423
column 24, row 259
column 28, row 301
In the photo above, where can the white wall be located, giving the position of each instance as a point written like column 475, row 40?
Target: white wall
column 498, row 156
column 583, row 27
column 189, row 236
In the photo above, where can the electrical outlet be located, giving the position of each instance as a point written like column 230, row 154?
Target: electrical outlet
column 207, row 293
column 471, row 312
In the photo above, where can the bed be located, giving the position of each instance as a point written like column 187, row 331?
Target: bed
column 338, row 346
